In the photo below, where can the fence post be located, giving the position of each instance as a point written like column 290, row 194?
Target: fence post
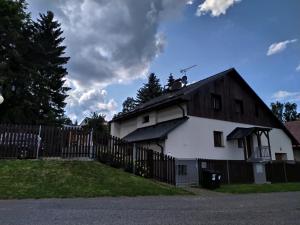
column 133, row 157
column 91, row 144
column 228, row 173
column 39, row 142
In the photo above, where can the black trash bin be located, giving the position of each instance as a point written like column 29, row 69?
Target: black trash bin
column 211, row 179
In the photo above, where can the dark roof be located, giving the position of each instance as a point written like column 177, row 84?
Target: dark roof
column 294, row 128
column 183, row 94
column 241, row 132
column 155, row 132
column 171, row 97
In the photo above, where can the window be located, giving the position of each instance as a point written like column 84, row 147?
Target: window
column 182, row 170
column 216, row 102
column 146, row 119
column 280, row 156
column 240, row 143
column 218, row 139
column 239, row 107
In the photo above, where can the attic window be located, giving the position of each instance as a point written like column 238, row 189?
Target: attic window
column 146, row 119
column 216, row 102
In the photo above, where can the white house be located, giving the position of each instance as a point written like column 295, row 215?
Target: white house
column 219, row 117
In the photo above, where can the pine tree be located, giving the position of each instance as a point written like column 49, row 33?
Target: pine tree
column 129, row 104
column 16, row 68
column 49, row 86
column 170, row 80
column 150, row 90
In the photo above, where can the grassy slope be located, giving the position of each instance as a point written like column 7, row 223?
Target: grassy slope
column 259, row 188
column 64, row 179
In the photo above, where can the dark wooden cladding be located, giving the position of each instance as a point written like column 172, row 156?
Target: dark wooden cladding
column 232, row 90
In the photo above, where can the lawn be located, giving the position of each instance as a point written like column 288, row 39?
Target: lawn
column 67, row 179
column 259, row 188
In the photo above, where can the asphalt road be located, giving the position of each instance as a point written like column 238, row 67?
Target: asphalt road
column 275, row 208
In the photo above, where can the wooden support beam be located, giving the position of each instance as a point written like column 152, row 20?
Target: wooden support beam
column 269, row 145
column 259, row 143
column 245, row 148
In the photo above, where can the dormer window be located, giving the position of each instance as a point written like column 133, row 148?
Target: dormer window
column 216, row 102
column 146, row 119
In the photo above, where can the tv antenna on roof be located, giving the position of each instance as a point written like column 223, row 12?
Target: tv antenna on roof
column 183, row 71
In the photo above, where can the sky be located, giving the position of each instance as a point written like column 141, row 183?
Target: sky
column 115, row 44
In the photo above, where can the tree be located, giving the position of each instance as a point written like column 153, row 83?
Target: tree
column 97, row 123
column 277, row 108
column 16, row 69
column 150, row 90
column 50, row 61
column 285, row 112
column 129, row 104
column 290, row 112
column 170, row 80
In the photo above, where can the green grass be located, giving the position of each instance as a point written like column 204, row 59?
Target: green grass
column 67, row 179
column 259, row 188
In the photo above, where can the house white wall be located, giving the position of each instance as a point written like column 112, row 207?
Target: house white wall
column 194, row 139
column 121, row 129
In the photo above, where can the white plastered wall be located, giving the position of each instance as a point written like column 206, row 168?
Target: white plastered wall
column 121, row 129
column 194, row 139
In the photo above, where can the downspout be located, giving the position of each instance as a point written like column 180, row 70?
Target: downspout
column 161, row 147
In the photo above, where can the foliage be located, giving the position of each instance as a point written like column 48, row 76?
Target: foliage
column 68, row 179
column 129, row 104
column 277, row 109
column 285, row 112
column 31, row 66
column 170, row 80
column 49, row 81
column 150, row 90
column 97, row 123
column 290, row 112
column 16, row 69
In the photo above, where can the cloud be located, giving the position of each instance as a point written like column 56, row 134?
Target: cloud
column 215, row 7
column 286, row 96
column 298, row 68
column 279, row 46
column 190, row 2
column 109, row 42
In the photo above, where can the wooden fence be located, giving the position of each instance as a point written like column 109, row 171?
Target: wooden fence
column 281, row 171
column 238, row 171
column 233, row 171
column 31, row 142
column 135, row 159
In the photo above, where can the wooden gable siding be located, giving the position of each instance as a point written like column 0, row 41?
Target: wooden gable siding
column 230, row 88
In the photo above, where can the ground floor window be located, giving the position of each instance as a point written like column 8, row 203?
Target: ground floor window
column 218, row 139
column 182, row 170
